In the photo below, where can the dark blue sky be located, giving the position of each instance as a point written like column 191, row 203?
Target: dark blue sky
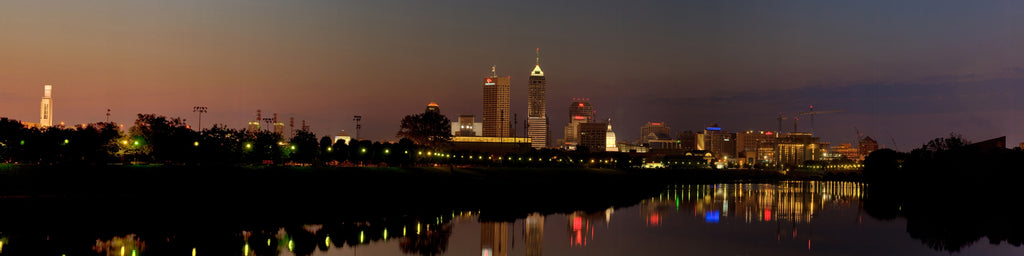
column 910, row 70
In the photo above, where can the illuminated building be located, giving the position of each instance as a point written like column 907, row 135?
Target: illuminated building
column 795, row 148
column 580, row 111
column 754, row 146
column 342, row 136
column 466, row 126
column 494, row 238
column 654, row 128
column 254, row 126
column 592, row 136
column 279, row 127
column 865, row 146
column 610, row 143
column 496, row 106
column 537, row 118
column 493, row 145
column 433, row 108
column 46, row 107
column 534, row 234
column 720, row 143
column 846, row 150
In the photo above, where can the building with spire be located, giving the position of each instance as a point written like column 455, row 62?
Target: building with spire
column 610, row 143
column 497, row 106
column 46, row 107
column 537, row 108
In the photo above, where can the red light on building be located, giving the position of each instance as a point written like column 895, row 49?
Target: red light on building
column 656, row 123
column 769, row 133
column 767, row 214
column 579, row 117
column 489, row 80
column 577, row 223
column 581, row 105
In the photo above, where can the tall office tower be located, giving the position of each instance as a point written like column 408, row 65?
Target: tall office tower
column 46, row 107
column 537, row 108
column 580, row 112
column 496, row 106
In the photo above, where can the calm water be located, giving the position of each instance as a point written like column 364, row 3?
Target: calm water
column 792, row 218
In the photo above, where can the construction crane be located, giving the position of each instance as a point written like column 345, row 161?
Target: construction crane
column 812, row 113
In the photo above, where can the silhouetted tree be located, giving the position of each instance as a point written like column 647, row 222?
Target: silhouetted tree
column 306, row 147
column 165, row 140
column 430, row 129
column 325, row 149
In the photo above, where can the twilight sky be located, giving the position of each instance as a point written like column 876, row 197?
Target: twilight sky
column 909, row 70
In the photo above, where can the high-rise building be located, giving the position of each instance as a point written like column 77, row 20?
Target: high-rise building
column 580, row 112
column 537, row 117
column 496, row 106
column 653, row 130
column 46, row 107
column 592, row 136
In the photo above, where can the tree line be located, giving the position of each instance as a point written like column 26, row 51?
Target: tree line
column 159, row 139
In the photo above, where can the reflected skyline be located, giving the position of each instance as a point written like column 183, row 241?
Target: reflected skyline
column 787, row 218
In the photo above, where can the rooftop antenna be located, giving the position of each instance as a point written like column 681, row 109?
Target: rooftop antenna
column 538, row 56
column 493, row 73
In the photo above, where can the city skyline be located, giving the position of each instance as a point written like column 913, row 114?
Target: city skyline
column 910, row 71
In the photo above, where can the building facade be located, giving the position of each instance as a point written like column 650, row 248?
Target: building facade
column 497, row 106
column 580, row 112
column 537, row 118
column 467, row 126
column 659, row 129
column 46, row 107
column 592, row 136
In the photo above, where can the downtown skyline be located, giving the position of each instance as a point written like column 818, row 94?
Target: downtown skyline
column 911, row 71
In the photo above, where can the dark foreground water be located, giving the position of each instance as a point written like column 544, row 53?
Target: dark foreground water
column 787, row 218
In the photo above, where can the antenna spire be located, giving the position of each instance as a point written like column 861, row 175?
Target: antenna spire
column 538, row 56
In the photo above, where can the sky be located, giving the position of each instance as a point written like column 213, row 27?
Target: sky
column 902, row 72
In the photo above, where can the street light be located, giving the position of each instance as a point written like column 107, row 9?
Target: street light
column 200, row 110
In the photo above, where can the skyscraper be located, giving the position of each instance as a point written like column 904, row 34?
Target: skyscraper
column 46, row 107
column 496, row 106
column 580, row 111
column 537, row 107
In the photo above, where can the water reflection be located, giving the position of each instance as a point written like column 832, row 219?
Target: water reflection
column 765, row 219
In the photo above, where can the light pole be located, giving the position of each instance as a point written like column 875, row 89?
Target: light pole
column 358, row 126
column 200, row 110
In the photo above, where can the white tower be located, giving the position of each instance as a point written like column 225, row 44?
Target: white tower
column 46, row 107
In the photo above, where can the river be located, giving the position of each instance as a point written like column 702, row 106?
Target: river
column 785, row 218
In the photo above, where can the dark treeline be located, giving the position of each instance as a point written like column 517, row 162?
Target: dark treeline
column 159, row 139
column 951, row 192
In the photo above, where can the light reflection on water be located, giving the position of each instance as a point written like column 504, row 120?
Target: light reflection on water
column 788, row 218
